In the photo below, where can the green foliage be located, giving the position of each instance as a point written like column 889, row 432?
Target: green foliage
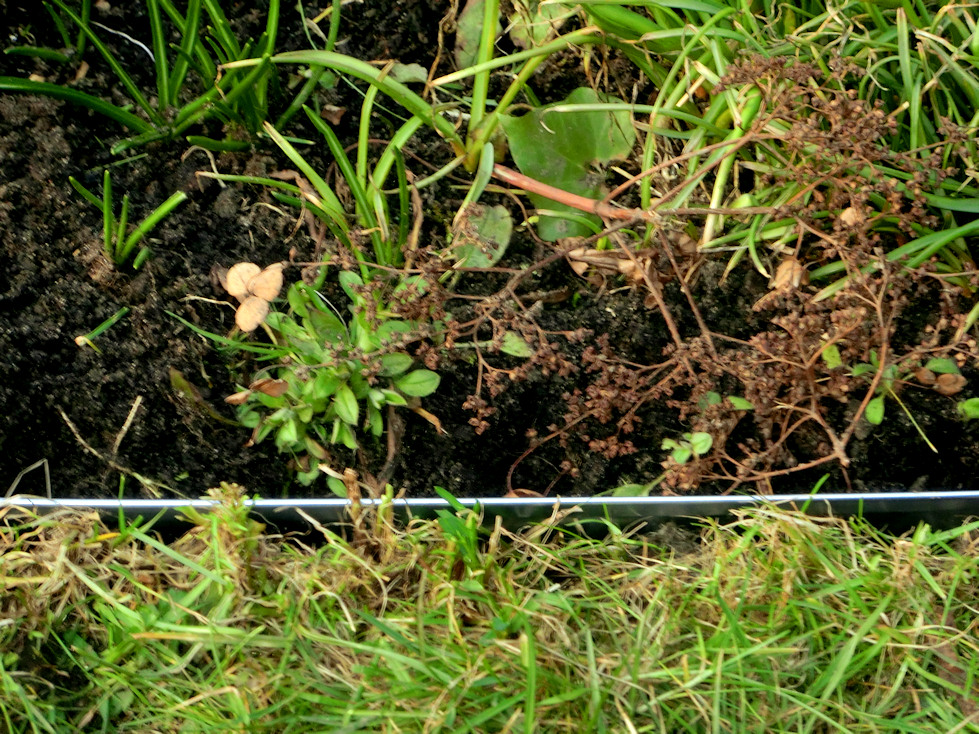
column 332, row 377
column 736, row 401
column 562, row 145
column 775, row 620
column 89, row 338
column 889, row 376
column 481, row 236
column 695, row 444
column 969, row 409
column 206, row 42
column 118, row 244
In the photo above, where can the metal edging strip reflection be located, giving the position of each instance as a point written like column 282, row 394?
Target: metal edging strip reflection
column 619, row 510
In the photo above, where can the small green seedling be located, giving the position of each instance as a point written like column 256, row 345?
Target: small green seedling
column 874, row 412
column 969, row 409
column 88, row 340
column 336, row 378
column 695, row 444
column 735, row 401
column 118, row 244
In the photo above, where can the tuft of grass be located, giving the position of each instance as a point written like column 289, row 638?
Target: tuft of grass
column 118, row 243
column 206, row 40
column 773, row 620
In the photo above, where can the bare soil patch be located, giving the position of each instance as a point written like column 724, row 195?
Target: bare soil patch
column 601, row 390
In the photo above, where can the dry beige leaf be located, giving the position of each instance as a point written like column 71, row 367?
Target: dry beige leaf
column 238, row 277
column 789, row 275
column 950, row 384
column 238, row 398
column 332, row 114
column 270, row 386
column 251, row 313
column 254, row 287
column 316, row 449
column 851, row 216
column 431, row 419
column 577, row 265
column 521, row 492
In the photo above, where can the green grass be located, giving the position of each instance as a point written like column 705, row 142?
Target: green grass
column 775, row 621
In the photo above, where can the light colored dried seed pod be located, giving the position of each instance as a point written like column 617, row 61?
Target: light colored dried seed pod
column 268, row 283
column 950, row 384
column 925, row 376
column 239, row 277
column 251, row 313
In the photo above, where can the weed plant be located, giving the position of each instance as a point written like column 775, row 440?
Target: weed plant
column 330, row 376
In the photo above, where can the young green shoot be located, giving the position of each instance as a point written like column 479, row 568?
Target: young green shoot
column 88, row 340
column 117, row 244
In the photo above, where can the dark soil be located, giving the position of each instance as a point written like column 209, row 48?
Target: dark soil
column 73, row 406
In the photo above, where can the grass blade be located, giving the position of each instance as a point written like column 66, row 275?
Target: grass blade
column 56, row 91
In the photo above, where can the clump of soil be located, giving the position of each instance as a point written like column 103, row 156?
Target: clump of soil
column 620, row 365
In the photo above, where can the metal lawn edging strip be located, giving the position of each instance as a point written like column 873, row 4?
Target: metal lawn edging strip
column 934, row 506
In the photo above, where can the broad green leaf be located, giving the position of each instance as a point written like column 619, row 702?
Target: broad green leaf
column 392, row 328
column 831, row 356
column 269, row 401
column 701, row 442
column 327, row 326
column 297, row 300
column 942, row 366
column 875, row 410
column 681, row 454
column 396, row 364
column 515, row 345
column 364, row 336
column 631, row 490
column 374, row 421
column 418, row 383
column 343, row 434
column 337, row 487
column 325, row 384
column 408, row 73
column 568, row 150
column 709, row 398
column 287, row 435
column 534, row 23
column 249, row 418
column 862, row 369
column 739, row 403
column 469, row 27
column 481, row 235
column 263, row 432
column 969, row 409
column 394, row 398
column 346, row 405
column 348, row 280
column 306, row 478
